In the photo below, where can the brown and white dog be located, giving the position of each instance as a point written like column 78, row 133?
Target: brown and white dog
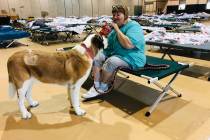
column 67, row 68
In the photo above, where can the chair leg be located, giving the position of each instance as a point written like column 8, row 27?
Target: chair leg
column 174, row 91
column 166, row 52
column 163, row 93
column 170, row 88
column 152, row 108
column 10, row 44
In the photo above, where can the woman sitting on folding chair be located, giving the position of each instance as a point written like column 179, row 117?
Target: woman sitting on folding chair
column 126, row 48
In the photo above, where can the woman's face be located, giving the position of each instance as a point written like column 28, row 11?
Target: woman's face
column 119, row 18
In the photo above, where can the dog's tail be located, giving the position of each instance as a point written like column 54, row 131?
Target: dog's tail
column 30, row 58
column 11, row 90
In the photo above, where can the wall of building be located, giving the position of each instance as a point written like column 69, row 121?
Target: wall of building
column 26, row 8
column 176, row 2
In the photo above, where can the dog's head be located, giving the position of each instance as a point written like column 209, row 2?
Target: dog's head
column 97, row 41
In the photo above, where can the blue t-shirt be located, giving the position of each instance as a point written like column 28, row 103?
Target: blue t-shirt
column 135, row 57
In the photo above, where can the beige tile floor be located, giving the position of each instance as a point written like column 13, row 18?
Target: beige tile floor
column 120, row 116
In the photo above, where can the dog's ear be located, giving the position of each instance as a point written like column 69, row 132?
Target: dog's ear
column 97, row 41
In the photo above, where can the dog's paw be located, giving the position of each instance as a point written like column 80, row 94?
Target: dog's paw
column 34, row 104
column 26, row 115
column 79, row 111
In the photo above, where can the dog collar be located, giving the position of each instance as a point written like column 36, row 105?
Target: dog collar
column 88, row 50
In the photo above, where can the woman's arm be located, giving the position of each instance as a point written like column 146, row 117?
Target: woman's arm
column 123, row 39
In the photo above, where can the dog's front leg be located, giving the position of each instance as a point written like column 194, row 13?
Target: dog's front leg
column 75, row 99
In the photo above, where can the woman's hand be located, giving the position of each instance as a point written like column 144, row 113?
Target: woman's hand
column 115, row 26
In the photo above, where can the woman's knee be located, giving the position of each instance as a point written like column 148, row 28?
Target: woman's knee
column 114, row 62
column 99, row 60
column 110, row 65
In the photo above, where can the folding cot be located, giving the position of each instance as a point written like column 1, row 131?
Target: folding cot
column 167, row 26
column 154, row 75
column 167, row 47
column 188, row 29
column 89, row 27
column 44, row 34
column 8, row 34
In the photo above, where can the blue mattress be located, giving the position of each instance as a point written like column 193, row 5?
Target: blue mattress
column 5, row 28
column 8, row 33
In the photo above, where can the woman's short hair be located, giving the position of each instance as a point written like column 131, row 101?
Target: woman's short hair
column 120, row 8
